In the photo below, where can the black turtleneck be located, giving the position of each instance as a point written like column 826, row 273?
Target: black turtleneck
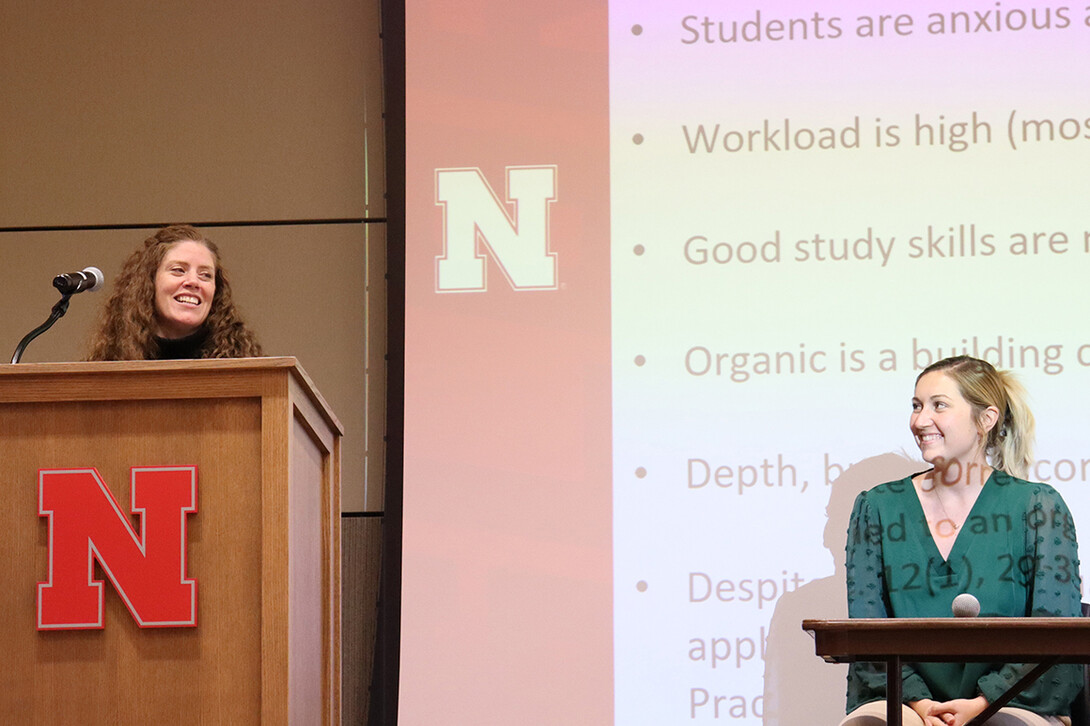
column 182, row 348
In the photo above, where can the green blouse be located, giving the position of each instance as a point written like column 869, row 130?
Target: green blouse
column 1016, row 553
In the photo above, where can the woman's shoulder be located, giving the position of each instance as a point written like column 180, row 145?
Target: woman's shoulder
column 1041, row 506
column 886, row 499
column 890, row 488
column 1014, row 486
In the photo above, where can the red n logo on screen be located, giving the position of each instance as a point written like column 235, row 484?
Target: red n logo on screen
column 147, row 569
column 515, row 233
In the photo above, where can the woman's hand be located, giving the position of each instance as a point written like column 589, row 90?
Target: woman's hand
column 958, row 712
column 924, row 708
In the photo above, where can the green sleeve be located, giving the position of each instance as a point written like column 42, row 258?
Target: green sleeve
column 1053, row 589
column 867, row 598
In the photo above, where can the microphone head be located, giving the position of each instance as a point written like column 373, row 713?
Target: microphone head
column 965, row 606
column 99, row 278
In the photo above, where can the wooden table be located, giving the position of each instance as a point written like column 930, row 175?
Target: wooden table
column 1043, row 641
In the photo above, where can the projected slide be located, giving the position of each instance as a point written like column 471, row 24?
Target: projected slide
column 672, row 271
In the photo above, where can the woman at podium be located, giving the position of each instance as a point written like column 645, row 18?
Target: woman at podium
column 172, row 300
column 970, row 524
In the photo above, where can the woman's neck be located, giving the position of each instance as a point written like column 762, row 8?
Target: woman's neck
column 961, row 478
column 947, row 494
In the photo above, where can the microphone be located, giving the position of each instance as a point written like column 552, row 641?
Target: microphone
column 89, row 278
column 965, row 606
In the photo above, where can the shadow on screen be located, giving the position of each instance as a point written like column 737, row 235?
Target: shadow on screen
column 799, row 687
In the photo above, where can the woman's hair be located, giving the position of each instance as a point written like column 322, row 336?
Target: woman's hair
column 1008, row 444
column 127, row 324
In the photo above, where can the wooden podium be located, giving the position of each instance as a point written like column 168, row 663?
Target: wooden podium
column 263, row 546
column 1042, row 641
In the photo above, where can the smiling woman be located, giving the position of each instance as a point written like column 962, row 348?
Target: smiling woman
column 916, row 545
column 172, row 300
column 185, row 284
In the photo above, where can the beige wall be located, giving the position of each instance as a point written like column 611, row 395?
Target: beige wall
column 132, row 113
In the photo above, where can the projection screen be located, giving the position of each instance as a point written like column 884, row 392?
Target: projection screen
column 672, row 269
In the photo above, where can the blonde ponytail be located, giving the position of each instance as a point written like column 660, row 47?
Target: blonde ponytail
column 1010, row 442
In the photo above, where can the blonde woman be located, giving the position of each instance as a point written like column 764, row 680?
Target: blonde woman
column 971, row 523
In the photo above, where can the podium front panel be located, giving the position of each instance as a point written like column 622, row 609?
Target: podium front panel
column 267, row 606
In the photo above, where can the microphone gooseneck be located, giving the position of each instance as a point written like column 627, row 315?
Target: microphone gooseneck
column 69, row 283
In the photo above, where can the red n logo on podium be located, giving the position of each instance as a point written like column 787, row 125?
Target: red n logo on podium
column 148, row 570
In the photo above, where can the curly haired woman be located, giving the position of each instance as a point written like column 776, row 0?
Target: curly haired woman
column 172, row 300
